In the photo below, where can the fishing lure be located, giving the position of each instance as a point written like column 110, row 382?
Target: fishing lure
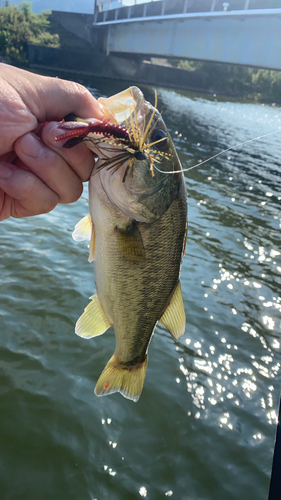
column 80, row 130
column 126, row 141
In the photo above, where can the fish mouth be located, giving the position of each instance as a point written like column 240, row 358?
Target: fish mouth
column 126, row 164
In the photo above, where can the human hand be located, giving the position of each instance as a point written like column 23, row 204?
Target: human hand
column 36, row 173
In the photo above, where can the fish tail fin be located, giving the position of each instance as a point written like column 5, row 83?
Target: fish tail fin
column 119, row 378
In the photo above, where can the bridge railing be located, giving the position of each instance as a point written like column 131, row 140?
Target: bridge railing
column 106, row 10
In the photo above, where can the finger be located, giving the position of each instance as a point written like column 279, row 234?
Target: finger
column 51, row 98
column 23, row 194
column 80, row 158
column 61, row 97
column 50, row 167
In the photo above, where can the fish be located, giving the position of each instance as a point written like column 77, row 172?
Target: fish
column 137, row 229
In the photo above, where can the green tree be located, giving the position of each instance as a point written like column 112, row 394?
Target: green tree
column 19, row 26
column 234, row 80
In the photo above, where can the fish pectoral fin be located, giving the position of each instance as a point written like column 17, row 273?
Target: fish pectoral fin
column 173, row 318
column 83, row 229
column 130, row 243
column 93, row 321
column 119, row 378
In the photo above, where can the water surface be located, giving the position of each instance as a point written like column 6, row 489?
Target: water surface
column 205, row 424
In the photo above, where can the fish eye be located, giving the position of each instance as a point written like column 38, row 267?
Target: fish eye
column 159, row 134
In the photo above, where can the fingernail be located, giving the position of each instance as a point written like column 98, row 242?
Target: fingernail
column 31, row 145
column 5, row 171
column 101, row 108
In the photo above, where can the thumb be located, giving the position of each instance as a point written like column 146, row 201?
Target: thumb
column 50, row 99
column 61, row 97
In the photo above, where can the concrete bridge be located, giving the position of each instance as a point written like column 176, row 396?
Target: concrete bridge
column 246, row 32
column 122, row 41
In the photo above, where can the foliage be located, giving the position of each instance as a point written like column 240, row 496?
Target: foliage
column 267, row 83
column 186, row 64
column 19, row 26
column 233, row 80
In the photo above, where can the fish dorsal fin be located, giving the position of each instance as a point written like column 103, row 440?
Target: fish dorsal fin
column 93, row 321
column 128, row 380
column 173, row 318
column 92, row 247
column 130, row 243
column 83, row 229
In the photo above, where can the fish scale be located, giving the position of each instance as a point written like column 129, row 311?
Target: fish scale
column 146, row 295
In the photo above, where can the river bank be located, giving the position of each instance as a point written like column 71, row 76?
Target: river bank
column 209, row 79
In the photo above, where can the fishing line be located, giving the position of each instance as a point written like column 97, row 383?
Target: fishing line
column 215, row 156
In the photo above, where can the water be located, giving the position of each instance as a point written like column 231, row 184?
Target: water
column 205, row 424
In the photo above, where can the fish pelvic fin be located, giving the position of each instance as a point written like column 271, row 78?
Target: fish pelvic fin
column 119, row 378
column 173, row 318
column 93, row 321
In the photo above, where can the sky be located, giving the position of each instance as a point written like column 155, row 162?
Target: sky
column 115, row 4
column 82, row 6
column 129, row 2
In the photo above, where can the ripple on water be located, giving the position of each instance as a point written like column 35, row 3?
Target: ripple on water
column 208, row 401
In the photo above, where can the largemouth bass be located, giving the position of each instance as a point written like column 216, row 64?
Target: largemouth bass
column 137, row 228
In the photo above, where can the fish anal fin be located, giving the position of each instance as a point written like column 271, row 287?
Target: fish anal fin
column 119, row 378
column 92, row 248
column 83, row 229
column 93, row 321
column 130, row 243
column 173, row 318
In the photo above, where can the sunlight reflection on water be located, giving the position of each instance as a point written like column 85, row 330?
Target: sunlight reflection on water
column 209, row 406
